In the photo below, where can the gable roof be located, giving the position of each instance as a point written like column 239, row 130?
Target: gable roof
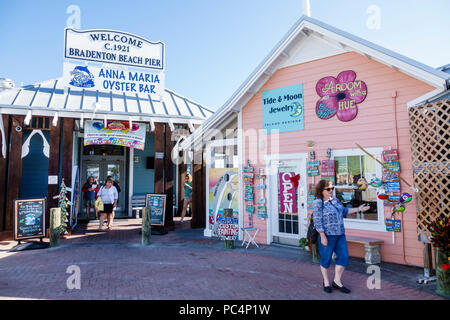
column 301, row 30
column 48, row 97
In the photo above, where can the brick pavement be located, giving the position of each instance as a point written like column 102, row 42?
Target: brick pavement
column 180, row 265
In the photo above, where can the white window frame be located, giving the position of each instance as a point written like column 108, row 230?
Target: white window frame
column 366, row 225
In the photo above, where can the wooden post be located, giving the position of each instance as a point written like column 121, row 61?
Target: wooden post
column 428, row 260
column 14, row 170
column 146, row 227
column 159, row 163
column 228, row 213
column 168, row 177
column 4, row 173
column 55, row 222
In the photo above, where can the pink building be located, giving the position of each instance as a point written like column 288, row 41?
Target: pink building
column 318, row 93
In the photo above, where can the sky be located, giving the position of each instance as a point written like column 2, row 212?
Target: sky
column 212, row 46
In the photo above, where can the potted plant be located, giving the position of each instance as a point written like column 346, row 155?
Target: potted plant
column 304, row 243
column 440, row 234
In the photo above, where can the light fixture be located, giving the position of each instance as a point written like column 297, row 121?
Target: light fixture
column 329, row 153
column 312, row 155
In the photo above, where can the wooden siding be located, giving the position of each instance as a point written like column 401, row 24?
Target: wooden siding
column 382, row 121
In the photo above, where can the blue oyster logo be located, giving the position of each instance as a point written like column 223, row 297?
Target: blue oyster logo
column 82, row 77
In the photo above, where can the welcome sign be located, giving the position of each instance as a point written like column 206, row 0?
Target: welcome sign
column 107, row 60
column 113, row 47
column 282, row 109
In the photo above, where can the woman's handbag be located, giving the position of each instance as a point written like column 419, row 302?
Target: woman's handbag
column 312, row 233
column 99, row 204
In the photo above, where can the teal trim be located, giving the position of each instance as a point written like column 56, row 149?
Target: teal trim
column 143, row 178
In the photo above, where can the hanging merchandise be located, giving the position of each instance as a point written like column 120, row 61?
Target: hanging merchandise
column 262, row 209
column 63, row 203
column 249, row 196
column 362, row 184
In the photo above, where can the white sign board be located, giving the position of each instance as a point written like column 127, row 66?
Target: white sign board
column 113, row 47
column 144, row 81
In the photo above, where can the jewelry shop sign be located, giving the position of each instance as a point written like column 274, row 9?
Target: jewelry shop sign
column 282, row 109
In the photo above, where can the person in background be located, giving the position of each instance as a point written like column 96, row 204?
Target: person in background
column 90, row 190
column 116, row 185
column 187, row 194
column 109, row 196
column 328, row 214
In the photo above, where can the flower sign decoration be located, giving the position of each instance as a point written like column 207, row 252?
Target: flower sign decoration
column 340, row 96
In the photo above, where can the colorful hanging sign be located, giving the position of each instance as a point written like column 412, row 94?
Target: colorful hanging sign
column 389, row 170
column 288, row 194
column 312, row 168
column 390, row 155
column 393, row 225
column 340, row 96
column 328, row 169
column 282, row 109
column 116, row 133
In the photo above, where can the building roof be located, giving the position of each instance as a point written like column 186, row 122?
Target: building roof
column 48, row 97
column 306, row 27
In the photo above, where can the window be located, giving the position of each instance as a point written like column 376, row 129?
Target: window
column 352, row 165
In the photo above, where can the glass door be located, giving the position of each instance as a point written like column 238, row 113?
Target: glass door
column 100, row 170
column 288, row 202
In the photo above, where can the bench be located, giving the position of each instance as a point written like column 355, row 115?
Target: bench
column 372, row 247
column 137, row 204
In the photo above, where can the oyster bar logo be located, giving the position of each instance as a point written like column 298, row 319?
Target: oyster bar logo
column 81, row 77
column 340, row 96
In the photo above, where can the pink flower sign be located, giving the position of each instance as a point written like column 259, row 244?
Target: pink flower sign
column 288, row 195
column 340, row 96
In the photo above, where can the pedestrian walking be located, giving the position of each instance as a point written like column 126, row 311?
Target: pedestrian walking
column 187, row 194
column 109, row 196
column 116, row 185
column 328, row 214
column 90, row 190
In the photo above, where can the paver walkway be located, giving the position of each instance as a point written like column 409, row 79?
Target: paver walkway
column 179, row 265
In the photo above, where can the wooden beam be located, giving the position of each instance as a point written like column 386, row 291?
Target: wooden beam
column 159, row 163
column 53, row 166
column 15, row 169
column 3, row 173
column 198, row 192
column 168, row 176
column 67, row 151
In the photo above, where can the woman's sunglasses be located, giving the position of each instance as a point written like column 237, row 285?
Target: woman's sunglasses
column 329, row 189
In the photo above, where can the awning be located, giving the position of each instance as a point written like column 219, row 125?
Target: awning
column 51, row 99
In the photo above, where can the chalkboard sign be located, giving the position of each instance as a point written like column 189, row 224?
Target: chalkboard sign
column 156, row 203
column 29, row 218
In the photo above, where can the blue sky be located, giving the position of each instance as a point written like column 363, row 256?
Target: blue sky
column 211, row 45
